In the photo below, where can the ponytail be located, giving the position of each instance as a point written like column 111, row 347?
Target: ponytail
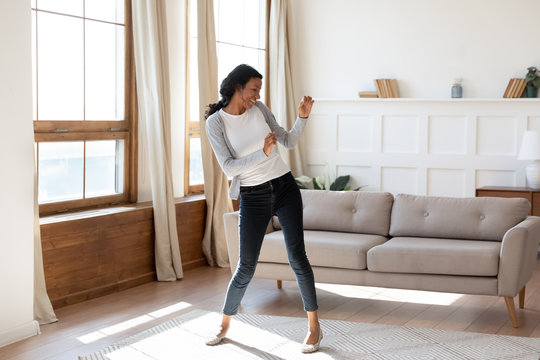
column 212, row 108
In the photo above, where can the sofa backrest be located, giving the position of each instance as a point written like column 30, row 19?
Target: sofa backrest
column 363, row 212
column 481, row 218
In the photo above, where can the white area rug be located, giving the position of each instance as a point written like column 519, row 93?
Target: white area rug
column 277, row 338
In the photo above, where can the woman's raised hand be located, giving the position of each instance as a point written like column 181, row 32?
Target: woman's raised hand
column 304, row 109
column 269, row 142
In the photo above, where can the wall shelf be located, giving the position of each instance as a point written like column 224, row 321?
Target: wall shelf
column 432, row 100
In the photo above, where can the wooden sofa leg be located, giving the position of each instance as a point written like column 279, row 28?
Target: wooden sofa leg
column 522, row 298
column 279, row 283
column 511, row 310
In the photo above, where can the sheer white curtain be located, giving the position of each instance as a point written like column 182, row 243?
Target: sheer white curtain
column 152, row 71
column 216, row 185
column 43, row 310
column 282, row 100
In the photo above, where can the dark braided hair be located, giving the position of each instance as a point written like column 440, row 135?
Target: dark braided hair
column 236, row 79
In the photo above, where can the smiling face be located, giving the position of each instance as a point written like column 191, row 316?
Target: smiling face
column 250, row 93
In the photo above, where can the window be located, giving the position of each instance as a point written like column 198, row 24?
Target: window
column 240, row 38
column 83, row 84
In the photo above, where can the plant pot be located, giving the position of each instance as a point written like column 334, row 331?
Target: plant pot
column 532, row 91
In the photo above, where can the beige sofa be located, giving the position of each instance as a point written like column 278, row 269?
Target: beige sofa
column 485, row 246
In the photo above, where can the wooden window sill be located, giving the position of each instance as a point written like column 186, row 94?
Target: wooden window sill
column 77, row 215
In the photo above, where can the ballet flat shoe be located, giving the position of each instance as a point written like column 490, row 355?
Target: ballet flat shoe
column 214, row 339
column 309, row 348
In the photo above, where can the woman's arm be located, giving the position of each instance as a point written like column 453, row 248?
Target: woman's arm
column 290, row 138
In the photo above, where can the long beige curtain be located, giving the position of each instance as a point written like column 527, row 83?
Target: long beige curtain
column 282, row 100
column 215, row 182
column 152, row 71
column 43, row 310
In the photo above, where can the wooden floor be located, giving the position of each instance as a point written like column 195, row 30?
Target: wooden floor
column 94, row 324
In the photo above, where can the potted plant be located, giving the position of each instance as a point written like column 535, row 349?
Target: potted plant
column 341, row 183
column 533, row 82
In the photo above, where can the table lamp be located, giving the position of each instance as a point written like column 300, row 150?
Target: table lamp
column 530, row 150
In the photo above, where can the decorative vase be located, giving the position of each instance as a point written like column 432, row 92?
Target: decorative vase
column 457, row 89
column 532, row 91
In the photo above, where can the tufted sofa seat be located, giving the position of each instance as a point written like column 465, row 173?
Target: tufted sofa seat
column 484, row 246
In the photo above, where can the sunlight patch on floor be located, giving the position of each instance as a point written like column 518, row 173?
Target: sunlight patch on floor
column 244, row 341
column 131, row 323
column 411, row 296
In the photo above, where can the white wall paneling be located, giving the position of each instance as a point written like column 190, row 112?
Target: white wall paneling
column 533, row 123
column 351, row 140
column 497, row 135
column 399, row 180
column 420, row 146
column 447, row 135
column 496, row 178
column 446, row 182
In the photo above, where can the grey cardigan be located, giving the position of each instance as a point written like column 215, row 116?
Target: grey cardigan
column 226, row 156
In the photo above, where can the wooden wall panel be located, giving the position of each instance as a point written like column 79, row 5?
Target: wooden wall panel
column 190, row 223
column 87, row 257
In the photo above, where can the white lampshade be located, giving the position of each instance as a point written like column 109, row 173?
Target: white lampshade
column 530, row 146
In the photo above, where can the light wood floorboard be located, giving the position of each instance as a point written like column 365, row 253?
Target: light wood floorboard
column 110, row 318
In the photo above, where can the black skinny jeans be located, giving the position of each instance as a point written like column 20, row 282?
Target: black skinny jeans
column 279, row 196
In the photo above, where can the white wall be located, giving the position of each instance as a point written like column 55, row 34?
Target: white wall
column 341, row 46
column 16, row 179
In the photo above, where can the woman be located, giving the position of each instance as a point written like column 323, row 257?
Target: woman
column 243, row 134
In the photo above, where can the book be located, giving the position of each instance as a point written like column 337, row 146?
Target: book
column 393, row 87
column 520, row 88
column 379, row 88
column 368, row 94
column 386, row 88
column 511, row 87
column 515, row 88
column 508, row 87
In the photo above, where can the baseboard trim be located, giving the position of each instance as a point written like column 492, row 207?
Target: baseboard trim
column 19, row 333
column 193, row 264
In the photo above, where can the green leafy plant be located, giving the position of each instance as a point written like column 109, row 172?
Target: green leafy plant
column 533, row 77
column 341, row 183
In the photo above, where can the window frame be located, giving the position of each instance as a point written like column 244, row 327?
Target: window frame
column 192, row 128
column 82, row 130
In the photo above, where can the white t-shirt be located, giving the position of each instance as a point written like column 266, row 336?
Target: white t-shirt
column 246, row 133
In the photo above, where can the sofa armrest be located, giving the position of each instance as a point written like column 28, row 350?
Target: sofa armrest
column 519, row 251
column 231, row 221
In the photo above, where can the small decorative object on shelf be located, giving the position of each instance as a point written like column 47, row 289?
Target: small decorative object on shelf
column 533, row 82
column 457, row 89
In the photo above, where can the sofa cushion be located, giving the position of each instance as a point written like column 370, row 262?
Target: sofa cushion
column 366, row 212
column 436, row 256
column 482, row 218
column 324, row 248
